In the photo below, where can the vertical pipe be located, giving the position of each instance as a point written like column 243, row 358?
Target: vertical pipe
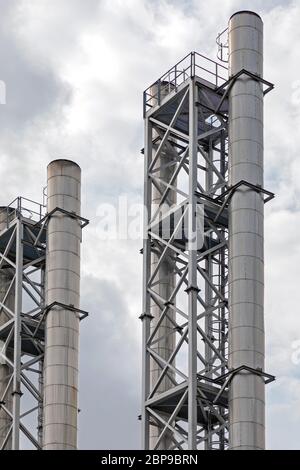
column 62, row 325
column 6, row 276
column 246, row 218
column 165, row 278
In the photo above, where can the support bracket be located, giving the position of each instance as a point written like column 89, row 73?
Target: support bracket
column 73, row 215
column 227, row 195
column 230, row 191
column 229, row 375
column 229, row 84
column 83, row 314
column 144, row 316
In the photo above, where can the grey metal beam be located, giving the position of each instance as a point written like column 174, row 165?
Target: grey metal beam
column 192, row 273
column 146, row 317
column 17, row 338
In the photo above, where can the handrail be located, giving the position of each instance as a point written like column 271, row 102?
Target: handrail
column 187, row 67
column 21, row 205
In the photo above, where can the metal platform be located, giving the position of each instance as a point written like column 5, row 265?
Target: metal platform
column 31, row 336
column 210, row 212
column 209, row 97
column 31, row 252
column 167, row 402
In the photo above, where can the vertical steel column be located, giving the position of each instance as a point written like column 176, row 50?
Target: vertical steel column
column 209, row 267
column 41, row 371
column 165, row 278
column 223, row 285
column 192, row 289
column 62, row 324
column 208, row 290
column 246, row 216
column 40, row 406
column 146, row 317
column 6, row 277
column 17, row 336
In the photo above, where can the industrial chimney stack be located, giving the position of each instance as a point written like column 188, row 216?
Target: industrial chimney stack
column 62, row 300
column 246, row 233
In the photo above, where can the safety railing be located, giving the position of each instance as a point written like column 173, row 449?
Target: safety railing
column 193, row 64
column 21, row 206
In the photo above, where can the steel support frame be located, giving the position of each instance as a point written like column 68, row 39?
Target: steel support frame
column 23, row 325
column 200, row 326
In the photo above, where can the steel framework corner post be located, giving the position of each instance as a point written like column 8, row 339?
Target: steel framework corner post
column 7, row 296
column 146, row 297
column 62, row 324
column 40, row 417
column 17, row 337
column 246, row 218
column 192, row 289
column 164, row 280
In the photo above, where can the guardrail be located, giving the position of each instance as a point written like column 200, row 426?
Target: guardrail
column 24, row 207
column 191, row 65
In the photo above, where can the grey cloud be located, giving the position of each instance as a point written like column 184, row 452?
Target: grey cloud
column 109, row 372
column 30, row 91
column 264, row 5
column 6, row 7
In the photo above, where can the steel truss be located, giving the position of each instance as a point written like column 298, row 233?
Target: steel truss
column 185, row 401
column 23, row 311
column 22, row 262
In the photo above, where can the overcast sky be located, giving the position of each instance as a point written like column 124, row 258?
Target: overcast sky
column 75, row 71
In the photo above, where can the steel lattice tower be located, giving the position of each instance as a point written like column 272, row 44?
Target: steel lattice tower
column 22, row 268
column 198, row 129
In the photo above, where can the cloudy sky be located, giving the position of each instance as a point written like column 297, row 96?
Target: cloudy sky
column 74, row 72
